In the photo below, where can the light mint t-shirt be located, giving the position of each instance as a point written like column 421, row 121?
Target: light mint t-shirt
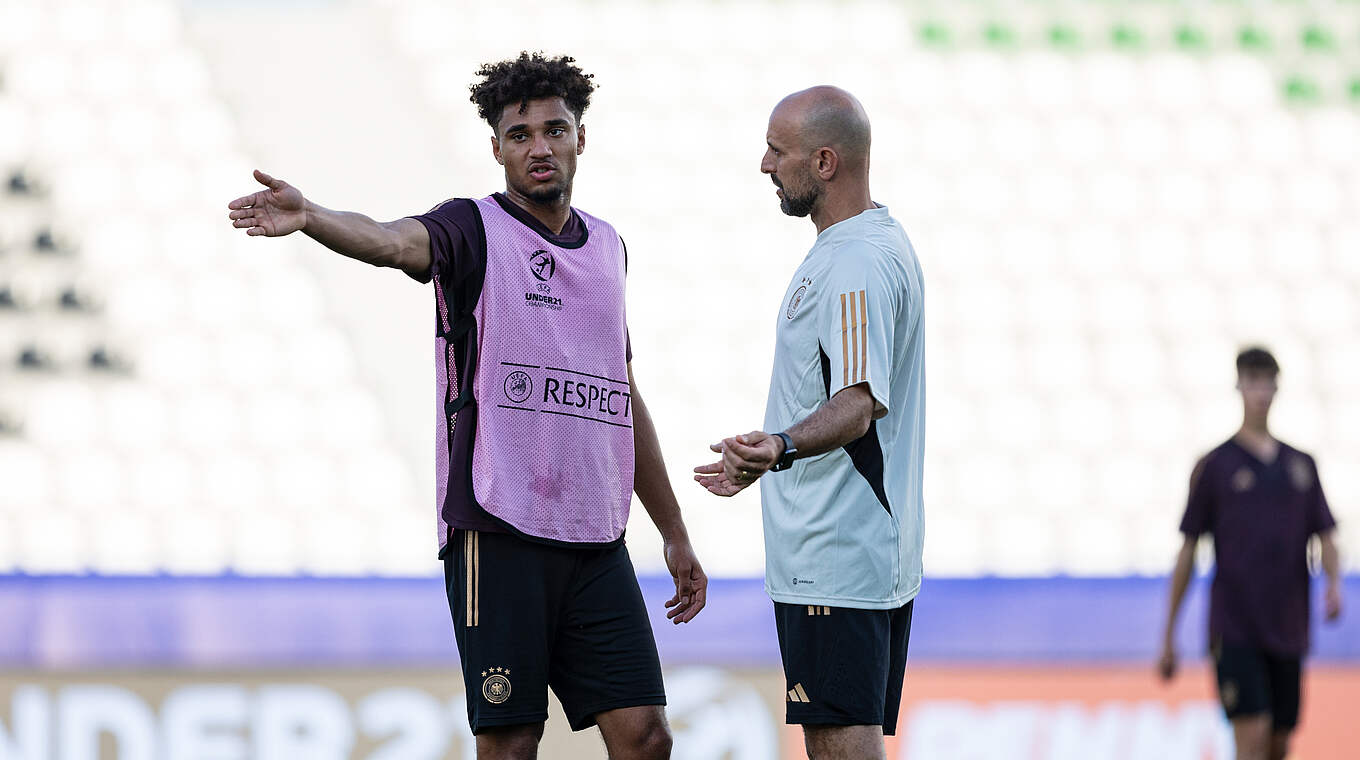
column 845, row 528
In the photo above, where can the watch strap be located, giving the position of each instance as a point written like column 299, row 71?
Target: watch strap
column 786, row 459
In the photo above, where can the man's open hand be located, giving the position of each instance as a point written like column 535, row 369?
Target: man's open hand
column 279, row 210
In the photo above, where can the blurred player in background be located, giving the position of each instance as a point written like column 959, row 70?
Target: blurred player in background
column 844, row 435
column 541, row 430
column 1262, row 501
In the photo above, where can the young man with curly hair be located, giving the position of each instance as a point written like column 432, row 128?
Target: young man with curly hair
column 542, row 436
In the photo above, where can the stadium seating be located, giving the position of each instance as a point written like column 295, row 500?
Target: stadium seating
column 1108, row 200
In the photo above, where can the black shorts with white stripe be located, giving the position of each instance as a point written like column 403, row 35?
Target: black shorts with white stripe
column 530, row 616
column 842, row 666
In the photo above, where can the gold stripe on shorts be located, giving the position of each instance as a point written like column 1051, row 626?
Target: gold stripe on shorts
column 477, row 577
column 470, row 567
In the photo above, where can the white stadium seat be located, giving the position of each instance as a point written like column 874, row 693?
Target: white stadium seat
column 125, row 543
column 1102, row 225
column 196, row 541
column 267, row 543
column 28, row 479
column 53, row 542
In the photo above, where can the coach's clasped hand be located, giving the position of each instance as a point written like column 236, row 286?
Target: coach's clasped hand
column 744, row 459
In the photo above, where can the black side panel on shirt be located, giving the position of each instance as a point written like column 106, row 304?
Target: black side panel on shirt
column 458, row 264
column 826, row 371
column 866, row 453
column 461, row 442
column 463, row 287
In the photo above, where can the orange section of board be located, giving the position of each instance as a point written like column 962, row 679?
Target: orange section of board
column 1045, row 696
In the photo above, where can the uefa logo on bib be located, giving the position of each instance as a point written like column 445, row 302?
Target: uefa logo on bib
column 518, row 386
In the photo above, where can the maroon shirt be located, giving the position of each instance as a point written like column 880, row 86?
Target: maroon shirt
column 458, row 269
column 1262, row 517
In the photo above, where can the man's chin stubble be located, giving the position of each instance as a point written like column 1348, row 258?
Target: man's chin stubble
column 547, row 195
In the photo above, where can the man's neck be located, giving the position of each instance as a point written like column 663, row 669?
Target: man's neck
column 552, row 215
column 1255, row 428
column 835, row 210
column 1256, row 437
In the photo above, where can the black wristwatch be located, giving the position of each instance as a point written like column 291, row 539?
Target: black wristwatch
column 785, row 461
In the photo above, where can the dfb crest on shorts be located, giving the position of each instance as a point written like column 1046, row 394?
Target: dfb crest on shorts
column 496, row 687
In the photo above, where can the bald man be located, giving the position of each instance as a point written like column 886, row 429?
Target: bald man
column 843, row 440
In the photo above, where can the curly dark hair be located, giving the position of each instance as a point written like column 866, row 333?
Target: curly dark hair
column 526, row 78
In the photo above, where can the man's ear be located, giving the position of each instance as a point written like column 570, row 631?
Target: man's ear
column 580, row 139
column 825, row 162
column 496, row 150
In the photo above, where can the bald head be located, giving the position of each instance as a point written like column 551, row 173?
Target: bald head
column 817, row 155
column 828, row 117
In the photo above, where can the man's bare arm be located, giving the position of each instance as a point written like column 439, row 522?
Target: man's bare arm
column 1180, row 580
column 402, row 244
column 843, row 419
column 281, row 209
column 653, row 487
column 1331, row 567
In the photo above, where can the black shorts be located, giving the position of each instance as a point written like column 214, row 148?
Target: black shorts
column 1251, row 682
column 843, row 667
column 531, row 616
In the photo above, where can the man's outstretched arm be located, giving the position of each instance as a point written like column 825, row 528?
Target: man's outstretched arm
column 281, row 209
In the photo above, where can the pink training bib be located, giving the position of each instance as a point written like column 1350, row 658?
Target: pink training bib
column 553, row 449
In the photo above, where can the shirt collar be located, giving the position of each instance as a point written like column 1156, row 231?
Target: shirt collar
column 874, row 215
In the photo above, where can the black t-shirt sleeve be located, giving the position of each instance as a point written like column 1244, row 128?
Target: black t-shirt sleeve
column 1199, row 508
column 1320, row 518
column 452, row 226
